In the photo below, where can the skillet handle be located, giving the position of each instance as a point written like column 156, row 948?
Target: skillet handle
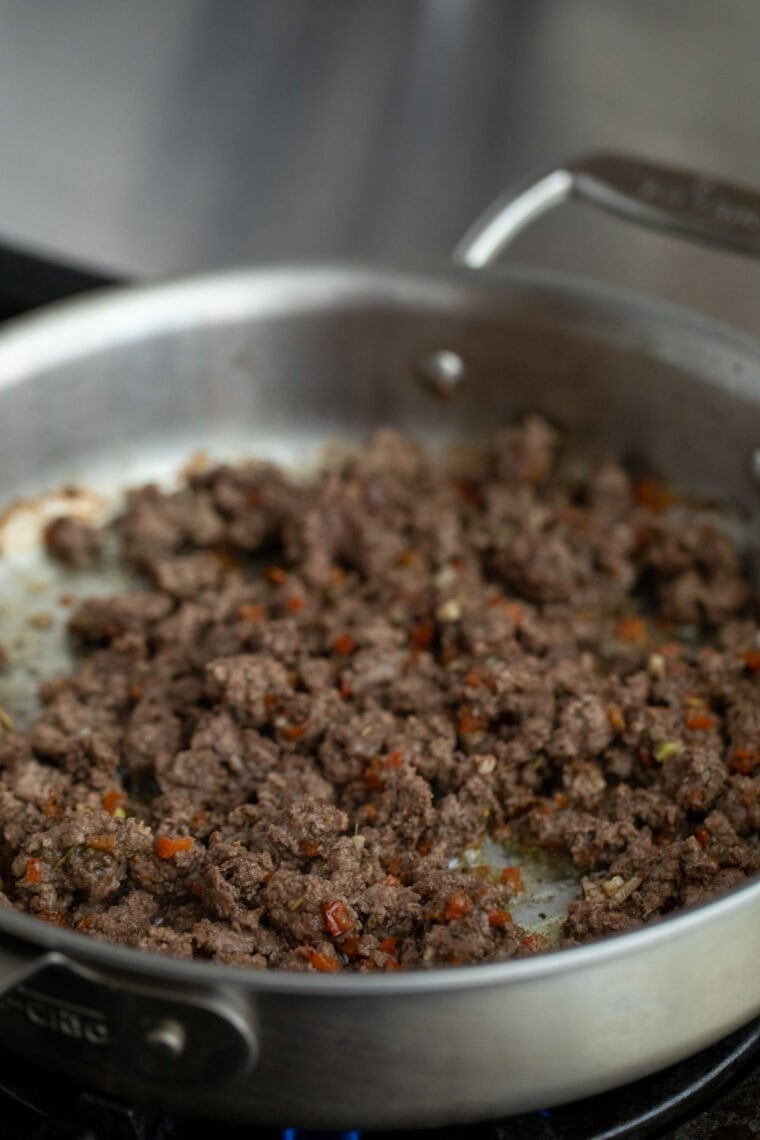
column 659, row 197
column 138, row 1037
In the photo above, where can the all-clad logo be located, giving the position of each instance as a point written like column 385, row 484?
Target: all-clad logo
column 701, row 196
column 55, row 1015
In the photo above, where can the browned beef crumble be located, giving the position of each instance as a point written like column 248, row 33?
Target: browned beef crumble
column 331, row 688
column 72, row 541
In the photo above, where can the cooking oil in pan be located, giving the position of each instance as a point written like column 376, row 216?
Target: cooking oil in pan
column 547, row 886
column 36, row 596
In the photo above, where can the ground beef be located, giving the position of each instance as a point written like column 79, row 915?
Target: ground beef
column 73, row 542
column 283, row 747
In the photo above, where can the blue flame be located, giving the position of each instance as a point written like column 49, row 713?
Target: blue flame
column 300, row 1134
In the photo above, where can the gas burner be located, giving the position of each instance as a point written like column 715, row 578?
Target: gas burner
column 715, row 1094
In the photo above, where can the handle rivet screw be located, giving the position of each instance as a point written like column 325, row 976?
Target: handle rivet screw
column 442, row 371
column 167, row 1038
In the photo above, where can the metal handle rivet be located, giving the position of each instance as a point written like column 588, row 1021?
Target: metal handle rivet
column 443, row 371
column 166, row 1037
column 755, row 464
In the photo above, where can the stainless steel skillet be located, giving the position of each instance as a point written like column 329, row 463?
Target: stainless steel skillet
column 114, row 388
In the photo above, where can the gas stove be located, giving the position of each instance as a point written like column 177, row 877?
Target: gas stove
column 712, row 1096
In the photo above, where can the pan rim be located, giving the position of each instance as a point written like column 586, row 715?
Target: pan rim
column 70, row 328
